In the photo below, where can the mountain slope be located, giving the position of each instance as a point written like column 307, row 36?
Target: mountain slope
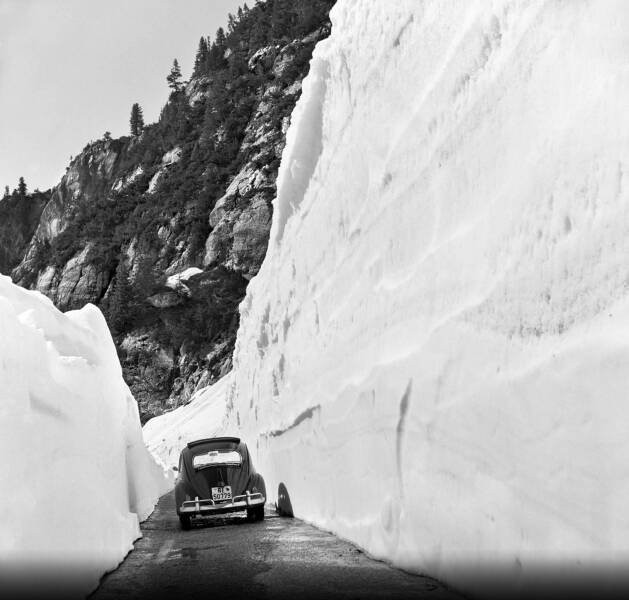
column 164, row 230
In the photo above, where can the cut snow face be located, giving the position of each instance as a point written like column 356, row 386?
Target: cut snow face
column 167, row 435
column 75, row 475
column 433, row 358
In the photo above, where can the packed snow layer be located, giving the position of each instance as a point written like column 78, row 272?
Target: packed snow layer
column 433, row 358
column 75, row 475
column 167, row 435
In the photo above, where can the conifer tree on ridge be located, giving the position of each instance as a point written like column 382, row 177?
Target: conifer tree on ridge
column 137, row 120
column 201, row 57
column 174, row 77
column 21, row 187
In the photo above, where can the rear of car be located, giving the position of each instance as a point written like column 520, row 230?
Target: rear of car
column 216, row 476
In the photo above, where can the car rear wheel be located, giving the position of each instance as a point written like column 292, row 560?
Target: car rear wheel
column 256, row 513
column 184, row 521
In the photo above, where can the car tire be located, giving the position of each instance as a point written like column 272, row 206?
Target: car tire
column 283, row 506
column 255, row 514
column 184, row 521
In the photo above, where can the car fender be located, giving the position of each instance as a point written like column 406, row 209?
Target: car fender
column 257, row 484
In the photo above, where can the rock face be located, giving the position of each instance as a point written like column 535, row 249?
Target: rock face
column 19, row 217
column 241, row 221
column 164, row 230
column 71, row 280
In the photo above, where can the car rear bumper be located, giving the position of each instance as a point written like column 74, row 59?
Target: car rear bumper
column 207, row 506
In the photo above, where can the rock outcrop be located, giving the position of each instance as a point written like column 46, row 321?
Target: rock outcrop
column 19, row 218
column 71, row 279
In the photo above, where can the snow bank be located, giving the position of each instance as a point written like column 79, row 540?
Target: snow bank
column 75, row 475
column 166, row 436
column 434, row 356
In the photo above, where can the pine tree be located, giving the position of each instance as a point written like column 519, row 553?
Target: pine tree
column 221, row 40
column 6, row 191
column 21, row 188
column 137, row 120
column 231, row 23
column 216, row 54
column 282, row 18
column 174, row 77
column 144, row 279
column 120, row 299
column 201, row 57
column 258, row 35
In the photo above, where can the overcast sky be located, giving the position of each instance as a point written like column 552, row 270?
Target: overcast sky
column 71, row 69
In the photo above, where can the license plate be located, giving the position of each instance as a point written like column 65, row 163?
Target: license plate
column 222, row 493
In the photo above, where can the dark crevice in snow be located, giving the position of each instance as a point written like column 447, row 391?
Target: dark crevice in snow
column 307, row 414
column 396, row 41
column 404, row 404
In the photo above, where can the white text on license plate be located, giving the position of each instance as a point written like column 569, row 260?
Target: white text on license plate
column 222, row 493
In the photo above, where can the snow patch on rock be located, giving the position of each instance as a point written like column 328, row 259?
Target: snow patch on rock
column 178, row 280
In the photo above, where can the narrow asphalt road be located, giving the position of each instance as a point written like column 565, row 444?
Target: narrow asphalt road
column 228, row 557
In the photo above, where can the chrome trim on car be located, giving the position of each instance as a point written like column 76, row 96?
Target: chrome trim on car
column 241, row 502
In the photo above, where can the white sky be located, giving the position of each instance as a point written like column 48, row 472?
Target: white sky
column 71, row 69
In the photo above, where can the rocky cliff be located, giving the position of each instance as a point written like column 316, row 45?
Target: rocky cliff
column 19, row 217
column 164, row 230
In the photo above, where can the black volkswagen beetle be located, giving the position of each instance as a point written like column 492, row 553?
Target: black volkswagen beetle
column 216, row 476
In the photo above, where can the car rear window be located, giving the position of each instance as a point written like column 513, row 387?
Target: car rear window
column 230, row 458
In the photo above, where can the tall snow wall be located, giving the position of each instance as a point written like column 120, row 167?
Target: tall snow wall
column 434, row 356
column 75, row 476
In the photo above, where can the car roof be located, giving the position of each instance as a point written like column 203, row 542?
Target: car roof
column 209, row 444
column 229, row 440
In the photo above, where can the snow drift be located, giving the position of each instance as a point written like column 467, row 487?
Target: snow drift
column 433, row 358
column 75, row 475
column 167, row 435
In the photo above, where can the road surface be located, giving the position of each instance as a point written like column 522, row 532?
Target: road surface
column 228, row 557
